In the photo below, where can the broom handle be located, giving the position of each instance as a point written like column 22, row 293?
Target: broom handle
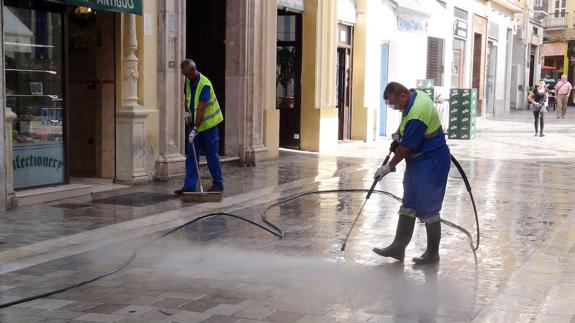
column 197, row 167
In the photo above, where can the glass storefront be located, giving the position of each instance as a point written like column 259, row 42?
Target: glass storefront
column 33, row 48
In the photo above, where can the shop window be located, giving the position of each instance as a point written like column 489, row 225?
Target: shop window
column 435, row 60
column 34, row 91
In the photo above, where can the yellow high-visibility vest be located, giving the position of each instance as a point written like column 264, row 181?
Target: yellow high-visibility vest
column 213, row 114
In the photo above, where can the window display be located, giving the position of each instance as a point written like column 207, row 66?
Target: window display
column 34, row 91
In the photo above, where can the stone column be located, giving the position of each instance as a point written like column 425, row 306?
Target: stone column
column 130, row 126
column 171, row 51
column 9, row 117
column 244, row 80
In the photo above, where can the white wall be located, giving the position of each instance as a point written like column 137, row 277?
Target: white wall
column 380, row 28
column 504, row 19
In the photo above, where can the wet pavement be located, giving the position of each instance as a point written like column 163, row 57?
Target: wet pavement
column 225, row 270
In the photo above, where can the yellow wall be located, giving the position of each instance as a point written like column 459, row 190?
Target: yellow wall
column 358, row 109
column 318, row 112
column 271, row 115
column 148, row 83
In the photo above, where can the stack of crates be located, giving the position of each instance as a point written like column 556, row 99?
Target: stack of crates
column 427, row 86
column 462, row 110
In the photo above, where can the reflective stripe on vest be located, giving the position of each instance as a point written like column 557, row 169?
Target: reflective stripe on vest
column 424, row 111
column 213, row 114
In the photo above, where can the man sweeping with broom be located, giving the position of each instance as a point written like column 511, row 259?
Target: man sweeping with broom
column 203, row 115
column 422, row 145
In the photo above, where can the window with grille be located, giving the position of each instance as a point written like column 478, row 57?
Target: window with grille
column 435, row 60
column 460, row 13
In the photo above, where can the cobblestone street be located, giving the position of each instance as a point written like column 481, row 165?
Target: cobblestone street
column 225, row 270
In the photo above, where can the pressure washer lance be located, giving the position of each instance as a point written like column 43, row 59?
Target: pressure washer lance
column 375, row 180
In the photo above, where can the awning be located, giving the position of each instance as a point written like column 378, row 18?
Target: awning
column 129, row 6
column 297, row 5
column 418, row 7
column 346, row 11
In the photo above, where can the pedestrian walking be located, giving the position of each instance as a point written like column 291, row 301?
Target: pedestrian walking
column 203, row 115
column 539, row 99
column 427, row 158
column 562, row 91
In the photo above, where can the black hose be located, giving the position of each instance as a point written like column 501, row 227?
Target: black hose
column 275, row 230
column 468, row 187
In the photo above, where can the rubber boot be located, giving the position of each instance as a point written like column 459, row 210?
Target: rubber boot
column 431, row 254
column 403, row 235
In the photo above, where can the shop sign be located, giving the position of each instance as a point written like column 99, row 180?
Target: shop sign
column 38, row 164
column 291, row 4
column 460, row 28
column 129, row 6
column 411, row 24
column 553, row 49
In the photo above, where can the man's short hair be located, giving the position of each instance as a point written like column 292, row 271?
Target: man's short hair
column 187, row 63
column 394, row 89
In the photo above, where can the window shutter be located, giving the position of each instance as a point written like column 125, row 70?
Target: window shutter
column 435, row 60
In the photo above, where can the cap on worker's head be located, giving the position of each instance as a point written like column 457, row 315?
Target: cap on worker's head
column 394, row 89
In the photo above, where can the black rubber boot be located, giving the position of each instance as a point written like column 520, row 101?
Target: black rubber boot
column 403, row 235
column 431, row 255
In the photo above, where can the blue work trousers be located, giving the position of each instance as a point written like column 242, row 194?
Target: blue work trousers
column 207, row 141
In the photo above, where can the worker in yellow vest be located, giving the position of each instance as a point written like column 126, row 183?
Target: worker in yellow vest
column 421, row 142
column 203, row 115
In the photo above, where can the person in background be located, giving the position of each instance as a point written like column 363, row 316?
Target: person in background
column 539, row 101
column 562, row 91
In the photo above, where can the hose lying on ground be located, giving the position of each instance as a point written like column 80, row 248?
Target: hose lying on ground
column 273, row 229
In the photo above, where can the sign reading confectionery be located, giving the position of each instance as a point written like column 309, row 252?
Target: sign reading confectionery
column 36, row 164
column 129, row 6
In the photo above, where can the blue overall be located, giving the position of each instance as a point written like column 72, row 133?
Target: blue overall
column 426, row 172
column 208, row 142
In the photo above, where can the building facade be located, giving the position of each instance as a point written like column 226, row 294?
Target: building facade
column 95, row 91
column 558, row 49
column 75, row 104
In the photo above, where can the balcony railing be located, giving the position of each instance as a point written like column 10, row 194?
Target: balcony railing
column 556, row 22
column 541, row 5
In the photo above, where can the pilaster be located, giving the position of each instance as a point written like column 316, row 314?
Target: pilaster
column 245, row 24
column 130, row 119
column 171, row 51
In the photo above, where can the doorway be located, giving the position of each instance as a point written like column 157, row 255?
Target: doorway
column 206, row 46
column 491, row 77
column 343, row 80
column 91, row 93
column 532, row 51
column 288, row 78
column 383, row 85
column 476, row 80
